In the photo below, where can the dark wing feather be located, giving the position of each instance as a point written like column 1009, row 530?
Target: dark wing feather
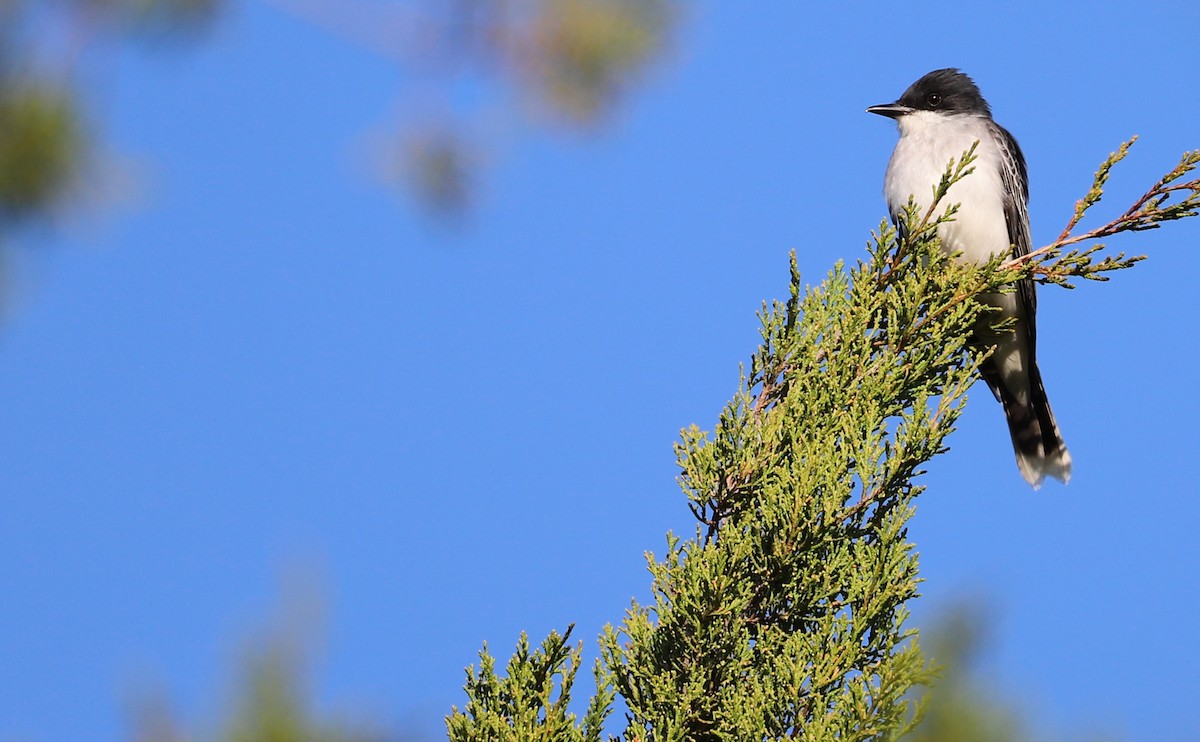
column 1015, row 178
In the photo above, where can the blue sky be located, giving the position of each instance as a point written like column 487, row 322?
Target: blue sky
column 264, row 367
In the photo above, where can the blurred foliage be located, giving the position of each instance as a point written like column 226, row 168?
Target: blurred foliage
column 44, row 147
column 572, row 58
column 441, row 166
column 960, row 705
column 955, row 707
column 271, row 705
column 41, row 147
column 171, row 16
column 582, row 53
column 150, row 15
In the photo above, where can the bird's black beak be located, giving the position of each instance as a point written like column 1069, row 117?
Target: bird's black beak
column 891, row 110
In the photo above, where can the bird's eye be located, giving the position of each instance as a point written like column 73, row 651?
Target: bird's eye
column 934, row 100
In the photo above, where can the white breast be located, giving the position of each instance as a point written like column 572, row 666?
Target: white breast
column 928, row 143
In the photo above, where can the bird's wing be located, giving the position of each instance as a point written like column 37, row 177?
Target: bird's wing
column 1015, row 179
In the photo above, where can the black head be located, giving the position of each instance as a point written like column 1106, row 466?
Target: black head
column 947, row 90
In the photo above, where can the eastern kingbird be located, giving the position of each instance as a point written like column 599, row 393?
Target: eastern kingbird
column 940, row 116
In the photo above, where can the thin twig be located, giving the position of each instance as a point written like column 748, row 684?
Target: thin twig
column 1147, row 212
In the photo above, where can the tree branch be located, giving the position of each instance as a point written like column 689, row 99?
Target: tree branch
column 1050, row 265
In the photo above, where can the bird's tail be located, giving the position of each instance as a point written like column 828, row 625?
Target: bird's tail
column 1036, row 439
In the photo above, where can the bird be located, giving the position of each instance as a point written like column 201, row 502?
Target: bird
column 940, row 117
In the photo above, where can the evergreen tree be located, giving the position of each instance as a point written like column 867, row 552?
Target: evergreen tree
column 784, row 615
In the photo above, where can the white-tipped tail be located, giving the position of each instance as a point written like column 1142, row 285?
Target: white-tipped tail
column 1036, row 467
column 1036, row 440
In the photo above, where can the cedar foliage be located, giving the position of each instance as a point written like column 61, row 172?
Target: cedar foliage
column 784, row 615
